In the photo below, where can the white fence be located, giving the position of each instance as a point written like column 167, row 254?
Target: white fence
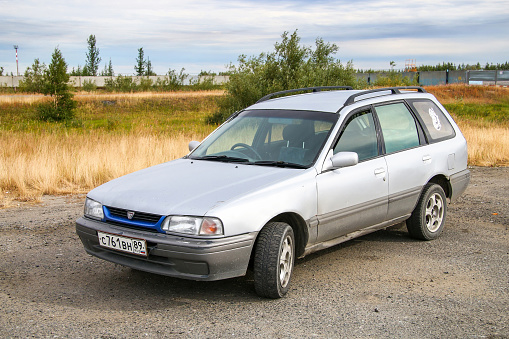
column 100, row 81
column 499, row 77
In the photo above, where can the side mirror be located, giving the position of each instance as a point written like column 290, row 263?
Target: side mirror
column 342, row 159
column 193, row 145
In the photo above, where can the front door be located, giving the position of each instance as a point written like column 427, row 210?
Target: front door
column 355, row 197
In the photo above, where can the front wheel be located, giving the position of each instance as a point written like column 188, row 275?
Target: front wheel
column 274, row 259
column 428, row 218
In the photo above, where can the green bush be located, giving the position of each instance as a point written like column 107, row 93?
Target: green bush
column 204, row 83
column 393, row 78
column 6, row 89
column 60, row 109
column 89, row 86
column 145, row 84
column 289, row 66
column 172, row 82
column 120, row 84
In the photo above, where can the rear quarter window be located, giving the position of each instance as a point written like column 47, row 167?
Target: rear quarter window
column 436, row 125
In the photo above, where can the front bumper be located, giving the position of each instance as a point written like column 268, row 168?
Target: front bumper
column 175, row 256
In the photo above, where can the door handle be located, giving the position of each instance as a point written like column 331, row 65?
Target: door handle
column 426, row 158
column 380, row 171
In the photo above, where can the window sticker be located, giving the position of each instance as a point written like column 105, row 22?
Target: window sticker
column 435, row 119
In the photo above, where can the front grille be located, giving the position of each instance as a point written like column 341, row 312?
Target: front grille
column 133, row 227
column 138, row 216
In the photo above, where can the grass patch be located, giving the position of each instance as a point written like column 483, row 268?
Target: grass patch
column 157, row 113
column 481, row 113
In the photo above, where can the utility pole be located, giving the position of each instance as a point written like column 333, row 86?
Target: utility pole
column 17, row 69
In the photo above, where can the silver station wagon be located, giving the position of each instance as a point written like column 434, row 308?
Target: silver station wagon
column 283, row 178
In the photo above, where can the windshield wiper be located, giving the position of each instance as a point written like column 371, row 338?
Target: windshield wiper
column 223, row 158
column 279, row 164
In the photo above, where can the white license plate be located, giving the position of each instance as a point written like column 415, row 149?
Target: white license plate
column 124, row 244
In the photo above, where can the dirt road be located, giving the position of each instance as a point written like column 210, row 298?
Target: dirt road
column 380, row 285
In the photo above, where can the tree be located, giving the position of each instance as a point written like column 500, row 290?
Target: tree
column 149, row 71
column 1, row 71
column 55, row 84
column 139, row 68
column 206, row 73
column 108, row 70
column 33, row 80
column 76, row 72
column 291, row 65
column 503, row 66
column 490, row 66
column 93, row 59
column 143, row 67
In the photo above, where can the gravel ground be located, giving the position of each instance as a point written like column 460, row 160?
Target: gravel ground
column 381, row 285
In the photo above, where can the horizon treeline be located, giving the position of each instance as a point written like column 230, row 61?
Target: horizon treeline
column 444, row 66
column 143, row 66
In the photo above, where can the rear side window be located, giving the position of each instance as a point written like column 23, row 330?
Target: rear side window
column 436, row 124
column 398, row 127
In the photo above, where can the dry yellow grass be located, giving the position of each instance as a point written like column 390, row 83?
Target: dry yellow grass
column 43, row 160
column 22, row 99
column 487, row 145
column 87, row 96
column 38, row 164
column 447, row 94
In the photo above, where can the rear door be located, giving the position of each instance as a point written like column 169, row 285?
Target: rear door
column 409, row 158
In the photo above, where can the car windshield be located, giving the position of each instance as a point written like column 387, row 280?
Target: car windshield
column 269, row 138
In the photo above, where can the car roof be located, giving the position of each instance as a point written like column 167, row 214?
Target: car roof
column 327, row 101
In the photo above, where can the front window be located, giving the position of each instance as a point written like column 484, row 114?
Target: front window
column 359, row 136
column 269, row 137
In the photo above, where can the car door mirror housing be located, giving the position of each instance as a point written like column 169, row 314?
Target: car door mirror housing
column 342, row 159
column 193, row 144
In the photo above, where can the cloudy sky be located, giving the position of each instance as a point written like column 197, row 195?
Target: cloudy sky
column 208, row 35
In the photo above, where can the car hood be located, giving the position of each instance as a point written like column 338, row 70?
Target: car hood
column 185, row 186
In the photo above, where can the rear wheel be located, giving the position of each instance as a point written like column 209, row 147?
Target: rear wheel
column 428, row 218
column 274, row 259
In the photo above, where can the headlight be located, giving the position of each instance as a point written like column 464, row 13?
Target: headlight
column 193, row 225
column 93, row 209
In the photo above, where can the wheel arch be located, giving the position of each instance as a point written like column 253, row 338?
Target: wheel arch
column 300, row 230
column 444, row 182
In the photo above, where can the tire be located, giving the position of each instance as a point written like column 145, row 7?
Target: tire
column 273, row 260
column 428, row 218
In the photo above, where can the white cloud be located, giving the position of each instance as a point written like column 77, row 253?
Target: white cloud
column 198, row 32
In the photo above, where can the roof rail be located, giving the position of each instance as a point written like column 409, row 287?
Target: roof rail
column 314, row 89
column 393, row 90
